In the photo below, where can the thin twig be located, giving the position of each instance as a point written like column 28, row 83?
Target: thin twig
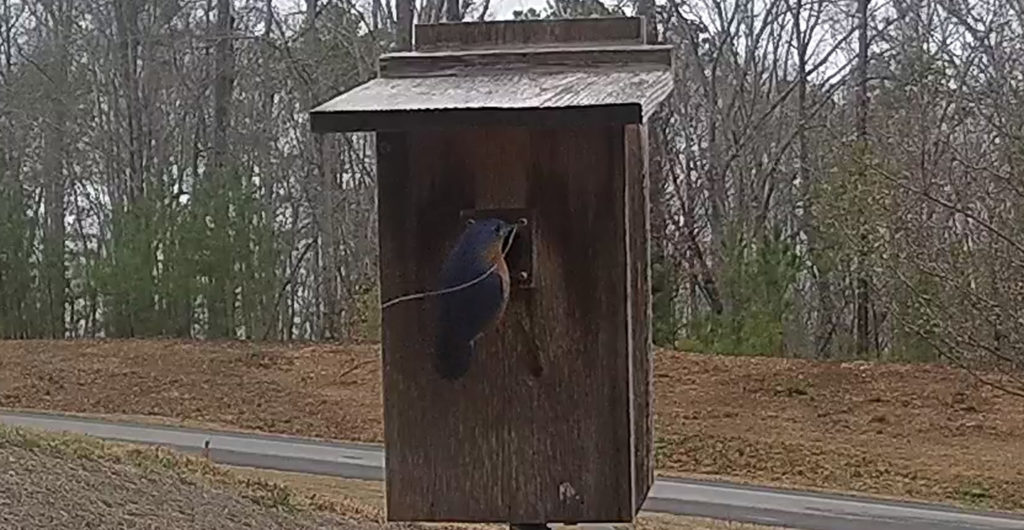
column 416, row 296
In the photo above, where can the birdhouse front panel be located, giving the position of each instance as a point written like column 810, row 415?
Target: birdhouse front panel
column 539, row 427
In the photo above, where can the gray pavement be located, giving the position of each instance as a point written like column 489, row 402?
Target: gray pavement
column 770, row 506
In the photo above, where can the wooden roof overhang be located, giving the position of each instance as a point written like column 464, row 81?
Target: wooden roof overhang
column 536, row 73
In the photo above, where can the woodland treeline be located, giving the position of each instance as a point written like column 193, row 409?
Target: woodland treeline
column 831, row 179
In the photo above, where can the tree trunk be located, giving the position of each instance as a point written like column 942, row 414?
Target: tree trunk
column 453, row 11
column 330, row 293
column 6, row 29
column 221, row 302
column 403, row 41
column 863, row 296
column 54, row 142
column 223, row 86
column 646, row 10
column 375, row 18
column 127, row 14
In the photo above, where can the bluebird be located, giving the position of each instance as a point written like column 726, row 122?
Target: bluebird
column 464, row 314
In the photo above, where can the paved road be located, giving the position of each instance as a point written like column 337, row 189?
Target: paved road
column 683, row 497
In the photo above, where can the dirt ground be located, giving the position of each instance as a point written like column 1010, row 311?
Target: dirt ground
column 908, row 431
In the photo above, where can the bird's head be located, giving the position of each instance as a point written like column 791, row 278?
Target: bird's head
column 489, row 235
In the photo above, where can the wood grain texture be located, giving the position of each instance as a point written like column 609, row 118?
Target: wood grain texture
column 561, row 32
column 440, row 119
column 510, row 73
column 418, row 64
column 638, row 231
column 503, row 444
column 540, row 99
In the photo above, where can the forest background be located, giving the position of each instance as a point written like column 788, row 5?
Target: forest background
column 831, row 179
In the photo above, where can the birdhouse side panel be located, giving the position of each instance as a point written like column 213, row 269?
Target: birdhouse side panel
column 638, row 238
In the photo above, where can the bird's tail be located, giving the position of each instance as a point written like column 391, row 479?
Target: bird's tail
column 452, row 357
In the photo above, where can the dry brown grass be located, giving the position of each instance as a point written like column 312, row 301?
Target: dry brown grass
column 917, row 431
column 371, row 494
column 666, row 522
column 68, row 482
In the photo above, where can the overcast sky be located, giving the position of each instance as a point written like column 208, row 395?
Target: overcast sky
column 503, row 8
column 500, row 9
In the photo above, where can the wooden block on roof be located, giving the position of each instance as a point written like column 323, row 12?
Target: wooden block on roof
column 435, row 64
column 533, row 33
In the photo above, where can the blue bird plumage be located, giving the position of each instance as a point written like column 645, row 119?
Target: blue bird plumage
column 466, row 313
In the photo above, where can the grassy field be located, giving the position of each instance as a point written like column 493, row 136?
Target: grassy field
column 370, row 493
column 904, row 431
column 71, row 482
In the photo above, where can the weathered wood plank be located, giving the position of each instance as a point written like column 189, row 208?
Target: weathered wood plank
column 432, row 429
column 505, row 33
column 577, row 435
column 641, row 369
column 418, row 64
column 593, row 96
column 503, row 444
column 504, row 90
column 427, row 119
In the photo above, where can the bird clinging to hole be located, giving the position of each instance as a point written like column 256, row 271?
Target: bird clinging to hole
column 464, row 314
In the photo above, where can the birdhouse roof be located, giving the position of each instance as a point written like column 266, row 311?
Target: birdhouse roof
column 532, row 73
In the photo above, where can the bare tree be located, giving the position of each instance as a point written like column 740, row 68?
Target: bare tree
column 453, row 11
column 403, row 39
column 863, row 303
column 58, row 19
column 220, row 301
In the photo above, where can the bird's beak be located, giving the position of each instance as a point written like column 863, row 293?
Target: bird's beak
column 506, row 233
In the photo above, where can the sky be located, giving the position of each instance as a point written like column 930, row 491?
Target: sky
column 500, row 9
column 503, row 8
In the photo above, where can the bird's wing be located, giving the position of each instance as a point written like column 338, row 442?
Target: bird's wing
column 464, row 314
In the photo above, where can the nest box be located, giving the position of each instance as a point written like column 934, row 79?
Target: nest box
column 535, row 120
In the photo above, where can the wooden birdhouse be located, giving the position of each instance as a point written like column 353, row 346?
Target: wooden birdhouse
column 540, row 121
